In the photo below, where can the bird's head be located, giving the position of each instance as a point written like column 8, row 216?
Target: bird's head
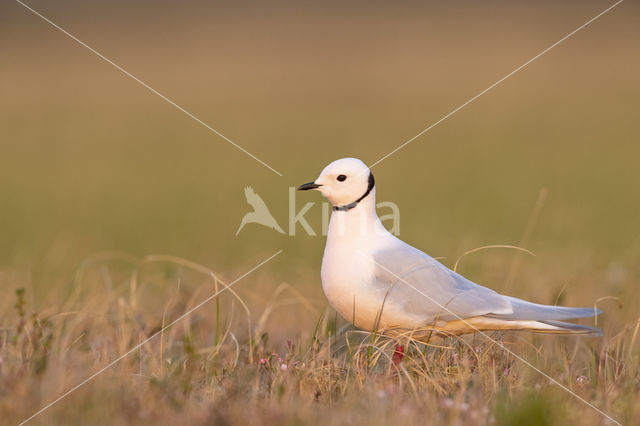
column 343, row 182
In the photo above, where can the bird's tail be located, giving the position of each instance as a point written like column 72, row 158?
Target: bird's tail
column 545, row 318
column 487, row 323
column 561, row 327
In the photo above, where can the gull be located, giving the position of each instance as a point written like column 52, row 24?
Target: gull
column 260, row 213
column 378, row 282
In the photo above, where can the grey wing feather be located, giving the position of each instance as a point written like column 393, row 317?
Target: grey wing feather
column 523, row 310
column 424, row 288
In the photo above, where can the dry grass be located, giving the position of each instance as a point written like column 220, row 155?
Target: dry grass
column 225, row 364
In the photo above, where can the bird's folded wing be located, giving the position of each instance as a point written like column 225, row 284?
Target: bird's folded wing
column 533, row 311
column 423, row 288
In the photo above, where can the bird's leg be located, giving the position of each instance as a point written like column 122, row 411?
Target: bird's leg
column 398, row 355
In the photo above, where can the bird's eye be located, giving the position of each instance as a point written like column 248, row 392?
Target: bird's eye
column 341, row 178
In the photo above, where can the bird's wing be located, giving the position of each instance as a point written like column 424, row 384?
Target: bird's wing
column 254, row 199
column 523, row 310
column 422, row 287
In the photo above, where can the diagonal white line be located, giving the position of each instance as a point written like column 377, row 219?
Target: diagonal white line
column 496, row 83
column 138, row 346
column 145, row 85
column 498, row 343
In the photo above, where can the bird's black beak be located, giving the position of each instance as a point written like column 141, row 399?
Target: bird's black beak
column 308, row 186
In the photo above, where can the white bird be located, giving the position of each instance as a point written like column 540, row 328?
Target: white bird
column 260, row 213
column 378, row 282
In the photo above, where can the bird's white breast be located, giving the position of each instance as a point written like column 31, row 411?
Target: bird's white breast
column 348, row 271
column 346, row 280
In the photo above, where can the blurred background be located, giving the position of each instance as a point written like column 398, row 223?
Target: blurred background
column 90, row 161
